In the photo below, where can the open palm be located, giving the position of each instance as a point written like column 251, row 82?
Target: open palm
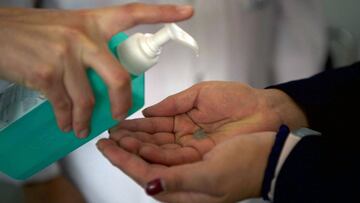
column 214, row 179
column 184, row 127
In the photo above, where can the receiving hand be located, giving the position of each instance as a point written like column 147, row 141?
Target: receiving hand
column 184, row 127
column 50, row 50
column 232, row 171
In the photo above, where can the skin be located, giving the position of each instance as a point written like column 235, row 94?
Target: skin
column 227, row 165
column 222, row 109
column 50, row 50
column 56, row 190
column 213, row 179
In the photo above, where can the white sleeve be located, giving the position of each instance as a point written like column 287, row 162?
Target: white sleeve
column 290, row 143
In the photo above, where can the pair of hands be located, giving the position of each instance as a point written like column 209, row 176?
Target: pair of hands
column 50, row 50
column 161, row 153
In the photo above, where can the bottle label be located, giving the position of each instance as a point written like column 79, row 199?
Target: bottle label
column 15, row 102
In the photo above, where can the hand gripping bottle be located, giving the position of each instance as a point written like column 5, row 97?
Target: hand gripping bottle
column 30, row 139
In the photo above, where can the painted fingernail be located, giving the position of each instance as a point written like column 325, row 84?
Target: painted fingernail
column 83, row 133
column 67, row 128
column 184, row 8
column 154, row 187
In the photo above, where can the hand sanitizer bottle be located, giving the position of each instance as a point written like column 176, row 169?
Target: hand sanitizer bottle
column 30, row 139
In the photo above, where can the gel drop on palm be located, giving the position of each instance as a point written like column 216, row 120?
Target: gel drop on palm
column 30, row 139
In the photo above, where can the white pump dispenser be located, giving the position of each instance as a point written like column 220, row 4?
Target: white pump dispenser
column 141, row 51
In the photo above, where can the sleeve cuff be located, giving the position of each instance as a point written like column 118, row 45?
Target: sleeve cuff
column 290, row 143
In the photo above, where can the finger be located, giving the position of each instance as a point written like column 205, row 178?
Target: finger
column 132, row 141
column 149, row 125
column 194, row 178
column 118, row 134
column 175, row 104
column 62, row 106
column 184, row 197
column 49, row 81
column 134, row 145
column 114, row 75
column 116, row 19
column 130, row 144
column 130, row 164
column 83, row 100
column 169, row 156
column 157, row 138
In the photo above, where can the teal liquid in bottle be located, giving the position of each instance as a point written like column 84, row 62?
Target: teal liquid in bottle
column 30, row 139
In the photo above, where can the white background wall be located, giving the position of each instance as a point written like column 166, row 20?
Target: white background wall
column 340, row 13
column 345, row 14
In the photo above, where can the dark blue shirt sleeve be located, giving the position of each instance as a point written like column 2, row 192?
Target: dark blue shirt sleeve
column 324, row 168
column 330, row 99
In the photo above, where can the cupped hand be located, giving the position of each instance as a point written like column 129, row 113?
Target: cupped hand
column 50, row 50
column 231, row 171
column 184, row 127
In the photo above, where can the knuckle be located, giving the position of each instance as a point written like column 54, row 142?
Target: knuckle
column 176, row 107
column 94, row 50
column 120, row 80
column 86, row 104
column 72, row 32
column 79, row 124
column 44, row 76
column 60, row 50
column 132, row 11
column 177, row 183
column 71, row 36
column 62, row 104
column 132, row 7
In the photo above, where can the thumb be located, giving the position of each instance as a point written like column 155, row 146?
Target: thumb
column 190, row 178
column 176, row 104
column 112, row 20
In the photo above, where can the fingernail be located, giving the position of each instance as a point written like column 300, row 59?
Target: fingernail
column 113, row 129
column 121, row 117
column 83, row 133
column 98, row 146
column 184, row 8
column 144, row 112
column 67, row 129
column 154, row 187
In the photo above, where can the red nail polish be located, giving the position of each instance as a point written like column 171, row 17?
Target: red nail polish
column 154, row 187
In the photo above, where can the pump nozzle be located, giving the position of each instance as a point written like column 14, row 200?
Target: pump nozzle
column 141, row 51
column 174, row 32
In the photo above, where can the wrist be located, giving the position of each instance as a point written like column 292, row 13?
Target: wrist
column 285, row 107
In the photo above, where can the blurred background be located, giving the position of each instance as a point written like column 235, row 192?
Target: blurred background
column 259, row 42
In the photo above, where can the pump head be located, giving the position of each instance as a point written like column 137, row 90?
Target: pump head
column 141, row 51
